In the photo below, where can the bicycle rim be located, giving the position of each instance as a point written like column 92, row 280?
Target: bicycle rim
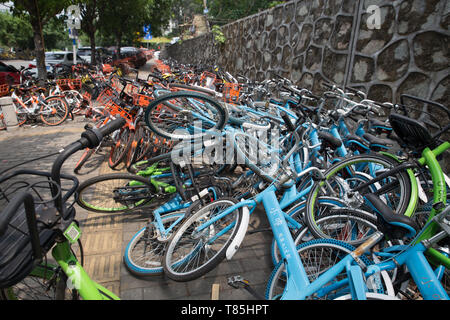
column 191, row 254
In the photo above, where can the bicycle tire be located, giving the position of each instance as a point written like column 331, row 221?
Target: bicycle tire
column 401, row 180
column 148, row 261
column 193, row 88
column 119, row 149
column 131, row 155
column 175, row 263
column 277, row 280
column 59, row 109
column 121, row 191
column 35, row 287
column 165, row 117
column 298, row 212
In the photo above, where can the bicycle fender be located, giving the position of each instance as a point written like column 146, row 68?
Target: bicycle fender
column 234, row 246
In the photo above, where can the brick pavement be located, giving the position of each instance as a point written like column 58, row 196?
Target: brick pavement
column 106, row 236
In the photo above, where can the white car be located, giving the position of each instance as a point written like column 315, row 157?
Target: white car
column 56, row 57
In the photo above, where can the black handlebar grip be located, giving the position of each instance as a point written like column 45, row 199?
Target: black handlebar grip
column 287, row 121
column 112, row 126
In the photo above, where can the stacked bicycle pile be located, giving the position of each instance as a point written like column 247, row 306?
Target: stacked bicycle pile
column 352, row 188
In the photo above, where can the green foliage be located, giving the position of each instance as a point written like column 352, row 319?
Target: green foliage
column 123, row 18
column 274, row 3
column 219, row 37
column 230, row 10
column 15, row 32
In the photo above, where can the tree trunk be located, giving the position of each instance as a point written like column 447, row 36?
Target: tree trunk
column 38, row 38
column 39, row 50
column 93, row 51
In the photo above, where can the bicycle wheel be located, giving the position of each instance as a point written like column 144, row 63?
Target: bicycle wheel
column 21, row 113
column 121, row 146
column 302, row 234
column 192, row 253
column 185, row 115
column 54, row 111
column 349, row 173
column 144, row 253
column 115, row 192
column 44, row 283
column 2, row 121
column 258, row 155
column 317, row 257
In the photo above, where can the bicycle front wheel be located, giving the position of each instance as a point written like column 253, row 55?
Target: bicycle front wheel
column 116, row 192
column 44, row 283
column 194, row 251
column 185, row 115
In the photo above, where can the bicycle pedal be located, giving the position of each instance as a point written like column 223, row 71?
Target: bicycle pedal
column 237, row 282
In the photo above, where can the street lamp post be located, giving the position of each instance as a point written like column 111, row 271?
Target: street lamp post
column 74, row 24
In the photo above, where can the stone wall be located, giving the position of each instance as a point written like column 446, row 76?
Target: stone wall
column 310, row 41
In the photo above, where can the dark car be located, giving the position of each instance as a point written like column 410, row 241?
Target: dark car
column 134, row 56
column 9, row 74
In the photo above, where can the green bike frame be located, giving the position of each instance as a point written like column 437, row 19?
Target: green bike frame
column 86, row 287
column 439, row 199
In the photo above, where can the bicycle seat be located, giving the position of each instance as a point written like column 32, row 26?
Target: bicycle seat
column 412, row 134
column 357, row 141
column 378, row 143
column 395, row 225
column 375, row 123
column 329, row 140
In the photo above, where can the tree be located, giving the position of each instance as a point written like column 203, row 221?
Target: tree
column 38, row 13
column 230, row 10
column 15, row 31
column 89, row 16
column 123, row 18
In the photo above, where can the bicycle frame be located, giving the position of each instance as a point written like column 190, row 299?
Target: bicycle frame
column 79, row 279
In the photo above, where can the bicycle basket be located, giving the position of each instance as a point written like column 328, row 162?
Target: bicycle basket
column 17, row 254
column 4, row 90
column 69, row 84
column 419, row 122
column 231, row 92
column 141, row 100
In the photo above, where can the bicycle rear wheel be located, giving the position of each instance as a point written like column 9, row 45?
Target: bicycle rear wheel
column 185, row 115
column 116, row 192
column 54, row 111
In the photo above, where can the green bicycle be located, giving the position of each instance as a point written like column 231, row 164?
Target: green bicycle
column 38, row 218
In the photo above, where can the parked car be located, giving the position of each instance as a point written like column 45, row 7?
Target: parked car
column 135, row 57
column 54, row 58
column 85, row 53
column 9, row 74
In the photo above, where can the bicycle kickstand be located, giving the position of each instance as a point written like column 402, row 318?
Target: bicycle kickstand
column 239, row 282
